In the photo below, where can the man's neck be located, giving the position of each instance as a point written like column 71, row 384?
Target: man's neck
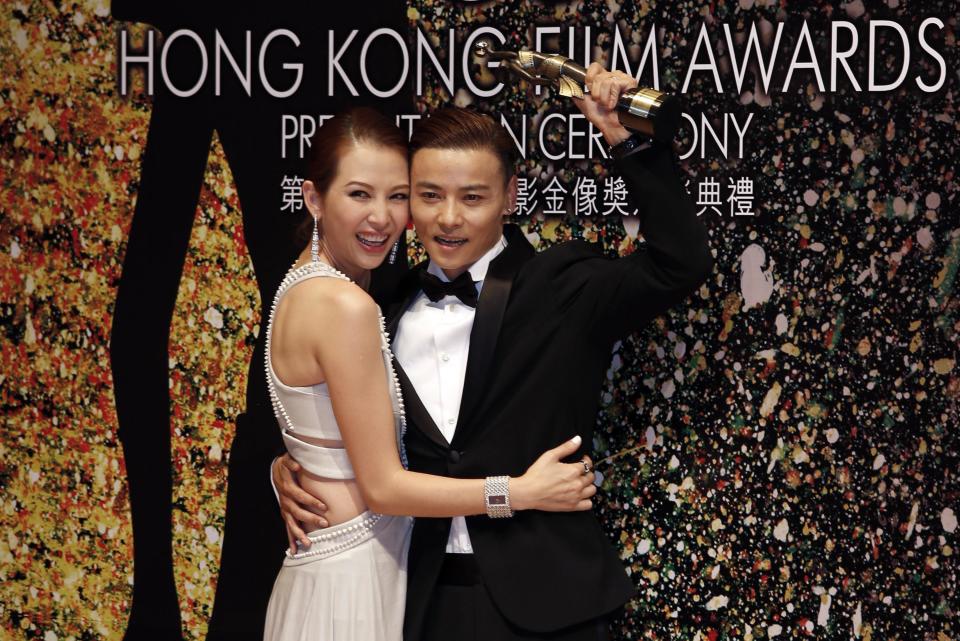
column 453, row 273
column 485, row 259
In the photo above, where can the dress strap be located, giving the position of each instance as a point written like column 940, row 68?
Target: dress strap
column 396, row 394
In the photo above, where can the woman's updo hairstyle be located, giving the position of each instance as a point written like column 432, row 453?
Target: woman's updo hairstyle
column 348, row 128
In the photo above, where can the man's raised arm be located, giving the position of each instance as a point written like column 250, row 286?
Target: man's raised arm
column 676, row 258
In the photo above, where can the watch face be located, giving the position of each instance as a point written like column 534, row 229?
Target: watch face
column 498, row 499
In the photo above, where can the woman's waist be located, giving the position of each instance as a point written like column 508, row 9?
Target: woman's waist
column 343, row 497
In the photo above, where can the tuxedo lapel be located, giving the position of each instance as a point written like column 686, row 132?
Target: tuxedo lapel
column 416, row 411
column 486, row 324
column 407, row 291
column 409, row 288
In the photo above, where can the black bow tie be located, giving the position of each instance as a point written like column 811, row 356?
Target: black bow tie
column 462, row 287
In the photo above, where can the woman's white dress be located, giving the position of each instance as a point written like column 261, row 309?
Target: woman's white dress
column 350, row 584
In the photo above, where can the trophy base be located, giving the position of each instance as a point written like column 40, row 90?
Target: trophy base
column 661, row 123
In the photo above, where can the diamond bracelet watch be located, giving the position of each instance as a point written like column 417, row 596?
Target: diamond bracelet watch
column 496, row 497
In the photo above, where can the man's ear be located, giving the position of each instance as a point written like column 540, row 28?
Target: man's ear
column 511, row 204
column 312, row 199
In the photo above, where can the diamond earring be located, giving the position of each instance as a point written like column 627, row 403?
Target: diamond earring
column 315, row 242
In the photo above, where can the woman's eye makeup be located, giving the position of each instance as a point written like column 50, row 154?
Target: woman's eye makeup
column 359, row 193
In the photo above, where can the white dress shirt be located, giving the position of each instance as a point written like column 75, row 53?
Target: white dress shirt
column 431, row 344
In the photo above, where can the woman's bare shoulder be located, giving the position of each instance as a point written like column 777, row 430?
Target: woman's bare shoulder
column 332, row 300
column 317, row 320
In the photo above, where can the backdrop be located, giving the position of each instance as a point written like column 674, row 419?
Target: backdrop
column 779, row 453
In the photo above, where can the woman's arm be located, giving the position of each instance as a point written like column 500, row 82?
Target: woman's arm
column 347, row 351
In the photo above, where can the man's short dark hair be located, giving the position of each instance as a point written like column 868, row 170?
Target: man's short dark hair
column 467, row 129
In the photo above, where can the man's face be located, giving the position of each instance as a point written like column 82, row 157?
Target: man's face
column 458, row 200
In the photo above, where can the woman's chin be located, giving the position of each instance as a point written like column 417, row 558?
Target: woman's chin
column 368, row 260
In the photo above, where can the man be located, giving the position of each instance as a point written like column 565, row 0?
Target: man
column 490, row 381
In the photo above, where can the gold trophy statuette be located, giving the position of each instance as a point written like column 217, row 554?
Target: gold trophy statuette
column 643, row 109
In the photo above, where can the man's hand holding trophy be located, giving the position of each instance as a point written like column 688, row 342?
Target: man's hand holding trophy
column 639, row 109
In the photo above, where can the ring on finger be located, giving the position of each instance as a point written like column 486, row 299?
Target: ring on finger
column 586, row 466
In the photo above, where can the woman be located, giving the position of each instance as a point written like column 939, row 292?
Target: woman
column 338, row 403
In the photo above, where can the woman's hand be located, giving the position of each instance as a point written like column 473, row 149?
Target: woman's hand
column 552, row 486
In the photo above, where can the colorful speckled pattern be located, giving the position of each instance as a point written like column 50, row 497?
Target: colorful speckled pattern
column 781, row 451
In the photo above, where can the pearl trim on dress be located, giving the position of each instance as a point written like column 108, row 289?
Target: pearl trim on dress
column 351, row 535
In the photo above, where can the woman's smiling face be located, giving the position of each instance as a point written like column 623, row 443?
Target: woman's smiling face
column 365, row 208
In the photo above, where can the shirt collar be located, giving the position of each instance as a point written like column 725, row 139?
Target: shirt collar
column 478, row 270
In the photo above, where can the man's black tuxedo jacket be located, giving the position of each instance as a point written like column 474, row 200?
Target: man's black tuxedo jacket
column 539, row 347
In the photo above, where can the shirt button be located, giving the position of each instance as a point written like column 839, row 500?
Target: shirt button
column 444, row 357
column 451, row 421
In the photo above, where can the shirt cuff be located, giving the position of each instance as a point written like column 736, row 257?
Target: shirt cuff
column 629, row 146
